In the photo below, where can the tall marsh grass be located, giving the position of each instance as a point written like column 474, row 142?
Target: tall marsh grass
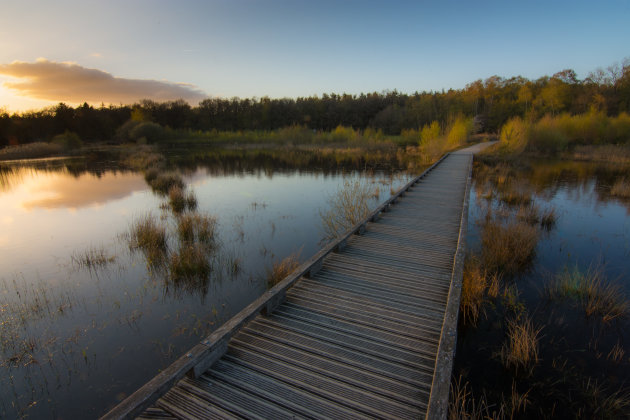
column 281, row 269
column 180, row 200
column 508, row 247
column 477, row 286
column 148, row 235
column 593, row 292
column 196, row 227
column 347, row 207
column 520, row 350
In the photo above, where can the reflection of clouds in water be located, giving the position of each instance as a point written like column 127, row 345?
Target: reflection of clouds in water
column 61, row 190
column 4, row 240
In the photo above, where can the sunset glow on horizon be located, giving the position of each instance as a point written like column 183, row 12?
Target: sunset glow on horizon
column 119, row 53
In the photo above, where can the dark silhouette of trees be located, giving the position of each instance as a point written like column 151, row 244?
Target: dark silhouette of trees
column 492, row 102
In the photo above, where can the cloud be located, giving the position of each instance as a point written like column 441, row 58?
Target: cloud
column 70, row 82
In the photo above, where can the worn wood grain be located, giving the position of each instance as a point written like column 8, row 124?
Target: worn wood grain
column 363, row 329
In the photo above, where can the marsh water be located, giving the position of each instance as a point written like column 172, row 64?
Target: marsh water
column 584, row 361
column 78, row 338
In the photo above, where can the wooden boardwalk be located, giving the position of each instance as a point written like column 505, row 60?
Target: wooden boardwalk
column 365, row 329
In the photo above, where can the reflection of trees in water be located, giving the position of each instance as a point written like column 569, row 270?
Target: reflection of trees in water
column 546, row 178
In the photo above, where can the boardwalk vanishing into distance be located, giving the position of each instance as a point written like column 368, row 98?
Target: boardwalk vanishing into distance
column 364, row 329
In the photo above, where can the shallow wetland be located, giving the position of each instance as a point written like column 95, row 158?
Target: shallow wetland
column 106, row 279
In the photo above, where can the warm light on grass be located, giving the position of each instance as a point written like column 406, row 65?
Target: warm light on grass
column 593, row 292
column 149, row 236
column 347, row 207
column 477, row 285
column 520, row 350
column 281, row 269
column 507, row 247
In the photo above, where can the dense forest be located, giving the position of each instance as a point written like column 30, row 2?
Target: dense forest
column 491, row 102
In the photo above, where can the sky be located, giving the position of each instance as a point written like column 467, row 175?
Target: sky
column 117, row 52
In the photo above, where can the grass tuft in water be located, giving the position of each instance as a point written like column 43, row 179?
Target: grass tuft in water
column 190, row 262
column 149, row 236
column 180, row 201
column 196, row 227
column 166, row 180
column 507, row 247
column 593, row 292
column 281, row 269
column 91, row 258
column 347, row 207
column 477, row 286
column 520, row 350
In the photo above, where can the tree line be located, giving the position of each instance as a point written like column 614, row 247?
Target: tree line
column 491, row 102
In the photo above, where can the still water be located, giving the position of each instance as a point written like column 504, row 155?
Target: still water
column 583, row 362
column 76, row 340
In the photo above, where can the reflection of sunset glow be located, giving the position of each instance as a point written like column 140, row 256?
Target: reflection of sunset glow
column 62, row 190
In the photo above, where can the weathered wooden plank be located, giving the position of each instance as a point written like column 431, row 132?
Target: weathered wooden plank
column 368, row 312
column 355, row 398
column 325, row 366
column 417, row 287
column 349, row 356
column 364, row 333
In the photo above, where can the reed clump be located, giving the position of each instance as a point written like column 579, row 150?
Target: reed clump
column 477, row 286
column 347, row 207
column 166, row 180
column 92, row 257
column 189, row 262
column 592, row 291
column 180, row 200
column 281, row 269
column 196, row 227
column 621, row 188
column 149, row 236
column 508, row 247
column 520, row 350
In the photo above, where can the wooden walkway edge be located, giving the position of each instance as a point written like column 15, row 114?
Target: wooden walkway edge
column 364, row 329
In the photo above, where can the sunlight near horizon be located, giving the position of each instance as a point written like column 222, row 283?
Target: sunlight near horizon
column 11, row 102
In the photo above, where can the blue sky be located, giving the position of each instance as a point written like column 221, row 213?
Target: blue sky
column 301, row 48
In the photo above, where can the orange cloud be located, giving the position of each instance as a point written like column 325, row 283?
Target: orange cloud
column 70, row 82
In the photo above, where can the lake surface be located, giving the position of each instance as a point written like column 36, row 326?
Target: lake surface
column 76, row 340
column 580, row 366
